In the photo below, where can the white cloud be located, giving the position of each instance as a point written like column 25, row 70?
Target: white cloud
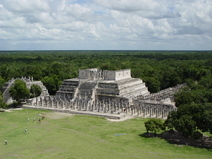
column 129, row 6
column 106, row 24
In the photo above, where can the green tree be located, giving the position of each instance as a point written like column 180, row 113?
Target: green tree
column 153, row 84
column 2, row 103
column 185, row 124
column 190, row 118
column 207, row 117
column 185, row 96
column 2, row 81
column 169, row 121
column 154, row 125
column 19, row 90
column 34, row 71
column 206, row 81
column 52, row 83
column 170, row 77
column 35, row 90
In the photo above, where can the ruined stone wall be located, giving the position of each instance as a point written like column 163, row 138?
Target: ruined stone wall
column 153, row 109
column 29, row 82
column 107, row 106
column 122, row 74
column 163, row 94
column 114, row 107
column 88, row 73
column 116, row 75
column 96, row 74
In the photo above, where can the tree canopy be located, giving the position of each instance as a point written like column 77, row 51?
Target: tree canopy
column 35, row 91
column 194, row 111
column 154, row 125
column 159, row 69
column 19, row 90
column 2, row 103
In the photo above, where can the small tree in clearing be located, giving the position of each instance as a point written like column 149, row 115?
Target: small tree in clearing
column 154, row 125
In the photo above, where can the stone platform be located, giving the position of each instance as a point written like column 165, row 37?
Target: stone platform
column 105, row 115
column 103, row 85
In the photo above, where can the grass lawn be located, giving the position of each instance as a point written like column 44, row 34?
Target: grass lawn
column 83, row 137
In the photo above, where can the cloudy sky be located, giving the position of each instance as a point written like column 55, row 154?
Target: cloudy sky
column 106, row 25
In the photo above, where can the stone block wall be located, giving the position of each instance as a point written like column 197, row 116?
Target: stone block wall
column 117, row 75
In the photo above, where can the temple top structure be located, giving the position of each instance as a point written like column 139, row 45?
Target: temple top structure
column 96, row 74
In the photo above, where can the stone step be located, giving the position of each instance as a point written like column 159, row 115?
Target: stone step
column 132, row 88
column 135, row 93
column 130, row 83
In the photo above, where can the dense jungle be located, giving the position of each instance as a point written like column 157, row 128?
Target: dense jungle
column 159, row 69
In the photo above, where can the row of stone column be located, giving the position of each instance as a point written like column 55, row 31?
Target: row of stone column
column 139, row 109
column 79, row 104
column 152, row 110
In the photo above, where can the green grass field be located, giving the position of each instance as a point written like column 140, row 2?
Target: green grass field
column 83, row 137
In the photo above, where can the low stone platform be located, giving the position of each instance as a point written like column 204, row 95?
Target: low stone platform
column 105, row 115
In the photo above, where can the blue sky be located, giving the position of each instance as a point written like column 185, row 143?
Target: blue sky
column 106, row 25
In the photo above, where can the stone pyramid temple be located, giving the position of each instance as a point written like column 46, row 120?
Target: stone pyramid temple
column 105, row 93
column 103, row 85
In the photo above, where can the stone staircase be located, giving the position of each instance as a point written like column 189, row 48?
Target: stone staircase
column 6, row 95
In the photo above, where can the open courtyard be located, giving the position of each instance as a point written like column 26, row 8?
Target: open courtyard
column 61, row 135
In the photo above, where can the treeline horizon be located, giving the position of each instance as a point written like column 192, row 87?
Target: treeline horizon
column 159, row 69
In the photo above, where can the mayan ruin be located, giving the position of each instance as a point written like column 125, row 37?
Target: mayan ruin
column 29, row 82
column 112, row 94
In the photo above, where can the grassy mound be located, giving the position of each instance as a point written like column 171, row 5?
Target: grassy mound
column 75, row 137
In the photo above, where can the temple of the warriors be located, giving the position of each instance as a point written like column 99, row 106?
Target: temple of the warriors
column 103, row 85
column 111, row 94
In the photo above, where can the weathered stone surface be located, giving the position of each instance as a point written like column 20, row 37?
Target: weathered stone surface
column 29, row 82
column 97, row 84
column 100, row 93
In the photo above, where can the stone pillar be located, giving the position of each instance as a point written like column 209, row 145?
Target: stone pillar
column 125, row 107
column 72, row 105
column 147, row 110
column 114, row 106
column 144, row 112
column 150, row 114
column 57, row 103
column 98, row 107
column 162, row 114
column 119, row 107
column 138, row 110
column 63, row 104
column 41, row 102
column 103, row 107
column 92, row 107
column 36, row 101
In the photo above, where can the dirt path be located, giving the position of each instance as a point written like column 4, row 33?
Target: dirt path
column 122, row 119
column 10, row 110
column 57, row 115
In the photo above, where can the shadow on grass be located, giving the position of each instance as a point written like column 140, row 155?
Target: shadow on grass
column 174, row 137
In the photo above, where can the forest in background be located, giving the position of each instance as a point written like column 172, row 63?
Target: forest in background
column 158, row 69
